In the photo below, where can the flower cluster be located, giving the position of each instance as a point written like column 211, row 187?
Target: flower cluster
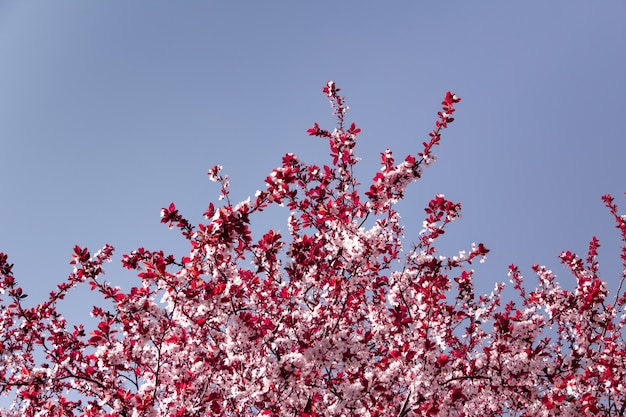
column 338, row 317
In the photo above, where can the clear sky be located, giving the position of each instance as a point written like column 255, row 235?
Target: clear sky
column 110, row 110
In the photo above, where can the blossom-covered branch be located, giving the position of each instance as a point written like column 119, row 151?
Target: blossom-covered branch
column 338, row 316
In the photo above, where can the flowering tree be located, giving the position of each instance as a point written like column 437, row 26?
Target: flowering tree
column 336, row 319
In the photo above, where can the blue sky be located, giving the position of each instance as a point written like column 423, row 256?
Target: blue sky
column 111, row 110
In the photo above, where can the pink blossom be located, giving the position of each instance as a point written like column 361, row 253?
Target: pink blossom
column 340, row 316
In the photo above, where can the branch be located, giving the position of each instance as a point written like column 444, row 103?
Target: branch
column 406, row 409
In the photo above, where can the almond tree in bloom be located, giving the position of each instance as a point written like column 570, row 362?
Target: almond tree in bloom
column 339, row 317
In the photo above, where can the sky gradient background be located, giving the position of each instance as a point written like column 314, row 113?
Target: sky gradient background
column 111, row 110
